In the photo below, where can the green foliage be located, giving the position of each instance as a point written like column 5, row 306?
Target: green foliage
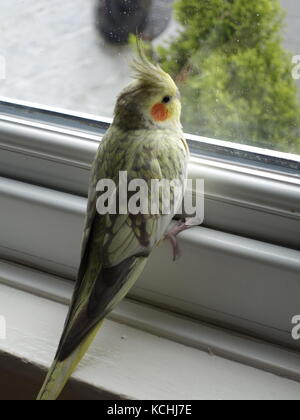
column 236, row 77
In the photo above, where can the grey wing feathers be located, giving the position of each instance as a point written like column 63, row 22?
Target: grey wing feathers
column 115, row 250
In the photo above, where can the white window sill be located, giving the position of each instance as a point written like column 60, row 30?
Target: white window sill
column 129, row 362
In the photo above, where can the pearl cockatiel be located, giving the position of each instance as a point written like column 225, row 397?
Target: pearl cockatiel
column 146, row 140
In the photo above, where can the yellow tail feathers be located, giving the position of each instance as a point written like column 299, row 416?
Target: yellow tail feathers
column 60, row 372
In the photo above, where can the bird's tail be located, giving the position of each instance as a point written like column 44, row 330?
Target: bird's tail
column 60, row 372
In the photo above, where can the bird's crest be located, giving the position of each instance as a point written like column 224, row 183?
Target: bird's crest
column 148, row 73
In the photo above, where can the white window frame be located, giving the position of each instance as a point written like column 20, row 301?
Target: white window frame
column 251, row 226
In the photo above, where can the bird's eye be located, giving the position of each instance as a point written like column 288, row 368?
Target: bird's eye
column 166, row 99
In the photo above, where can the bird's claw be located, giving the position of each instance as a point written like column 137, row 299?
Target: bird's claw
column 179, row 227
column 171, row 236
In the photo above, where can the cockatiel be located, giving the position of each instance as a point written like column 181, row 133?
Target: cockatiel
column 146, row 140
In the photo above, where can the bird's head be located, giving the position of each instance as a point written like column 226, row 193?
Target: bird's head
column 151, row 100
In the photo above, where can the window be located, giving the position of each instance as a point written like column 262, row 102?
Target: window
column 238, row 78
column 240, row 270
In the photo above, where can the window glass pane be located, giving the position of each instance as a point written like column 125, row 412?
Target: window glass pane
column 55, row 56
column 237, row 62
column 239, row 80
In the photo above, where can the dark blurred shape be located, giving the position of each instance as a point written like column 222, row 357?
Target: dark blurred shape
column 116, row 19
column 158, row 19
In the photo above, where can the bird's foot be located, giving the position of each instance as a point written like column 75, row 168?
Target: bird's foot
column 179, row 227
column 172, row 234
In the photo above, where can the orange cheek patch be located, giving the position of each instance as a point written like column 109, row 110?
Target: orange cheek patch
column 159, row 112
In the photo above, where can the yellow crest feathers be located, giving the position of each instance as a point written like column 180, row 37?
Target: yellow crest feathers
column 147, row 72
